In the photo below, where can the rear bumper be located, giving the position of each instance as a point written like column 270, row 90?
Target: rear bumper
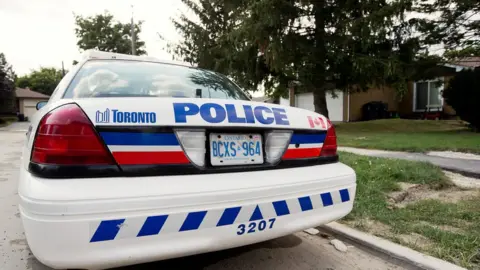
column 109, row 222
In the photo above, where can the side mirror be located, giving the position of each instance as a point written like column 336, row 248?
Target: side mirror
column 41, row 104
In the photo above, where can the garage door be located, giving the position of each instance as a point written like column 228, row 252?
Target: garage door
column 29, row 111
column 334, row 105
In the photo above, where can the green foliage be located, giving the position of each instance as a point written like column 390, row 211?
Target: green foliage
column 409, row 135
column 453, row 23
column 7, row 76
column 466, row 52
column 43, row 80
column 325, row 45
column 7, row 86
column 102, row 32
column 450, row 228
column 463, row 94
column 205, row 39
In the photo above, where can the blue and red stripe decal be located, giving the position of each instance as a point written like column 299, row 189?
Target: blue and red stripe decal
column 138, row 148
column 308, row 145
column 179, row 222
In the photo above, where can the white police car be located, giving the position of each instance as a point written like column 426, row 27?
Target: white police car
column 135, row 160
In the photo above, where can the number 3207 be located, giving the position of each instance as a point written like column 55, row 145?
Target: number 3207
column 255, row 226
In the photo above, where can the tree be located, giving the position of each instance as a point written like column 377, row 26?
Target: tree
column 44, row 80
column 102, row 32
column 204, row 42
column 466, row 52
column 463, row 94
column 7, row 86
column 325, row 45
column 453, row 23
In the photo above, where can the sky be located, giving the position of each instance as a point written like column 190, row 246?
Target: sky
column 36, row 33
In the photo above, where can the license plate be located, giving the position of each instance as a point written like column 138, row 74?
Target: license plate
column 235, row 149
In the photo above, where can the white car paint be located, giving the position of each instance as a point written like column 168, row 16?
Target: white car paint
column 62, row 217
column 58, row 216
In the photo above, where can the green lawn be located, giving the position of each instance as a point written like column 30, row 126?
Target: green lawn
column 409, row 135
column 6, row 120
column 446, row 229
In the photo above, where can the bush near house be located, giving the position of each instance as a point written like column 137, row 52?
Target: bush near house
column 5, row 120
column 463, row 94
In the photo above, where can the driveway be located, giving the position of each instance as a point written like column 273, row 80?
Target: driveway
column 296, row 251
column 16, row 127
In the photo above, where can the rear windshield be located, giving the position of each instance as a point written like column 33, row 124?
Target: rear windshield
column 118, row 78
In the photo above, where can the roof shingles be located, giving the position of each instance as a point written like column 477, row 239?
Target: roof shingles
column 473, row 61
column 27, row 93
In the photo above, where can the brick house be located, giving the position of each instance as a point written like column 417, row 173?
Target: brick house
column 347, row 107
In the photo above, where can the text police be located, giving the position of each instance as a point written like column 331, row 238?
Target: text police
column 216, row 113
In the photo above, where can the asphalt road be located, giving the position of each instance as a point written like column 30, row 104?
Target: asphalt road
column 296, row 251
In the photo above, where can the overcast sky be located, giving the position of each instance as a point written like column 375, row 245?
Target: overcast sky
column 36, row 33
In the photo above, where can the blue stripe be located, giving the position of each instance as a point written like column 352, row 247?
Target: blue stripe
column 193, row 221
column 305, row 203
column 257, row 214
column 132, row 138
column 152, row 225
column 107, row 230
column 326, row 199
column 307, row 138
column 229, row 216
column 344, row 195
column 281, row 208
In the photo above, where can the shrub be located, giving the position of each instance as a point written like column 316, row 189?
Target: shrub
column 463, row 94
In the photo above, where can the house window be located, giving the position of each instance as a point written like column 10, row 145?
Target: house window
column 428, row 94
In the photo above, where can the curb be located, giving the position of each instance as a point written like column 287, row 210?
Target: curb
column 462, row 172
column 402, row 253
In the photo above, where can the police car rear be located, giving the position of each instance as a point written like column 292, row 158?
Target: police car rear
column 135, row 160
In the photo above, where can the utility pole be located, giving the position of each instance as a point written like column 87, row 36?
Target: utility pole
column 132, row 33
column 63, row 70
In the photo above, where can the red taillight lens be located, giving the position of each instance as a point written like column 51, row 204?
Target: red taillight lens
column 330, row 144
column 66, row 136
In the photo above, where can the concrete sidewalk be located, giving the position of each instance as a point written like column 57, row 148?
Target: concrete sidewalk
column 468, row 167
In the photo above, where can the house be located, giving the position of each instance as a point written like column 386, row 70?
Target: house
column 27, row 101
column 347, row 107
column 263, row 99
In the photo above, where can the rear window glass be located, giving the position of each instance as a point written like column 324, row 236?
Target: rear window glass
column 118, row 78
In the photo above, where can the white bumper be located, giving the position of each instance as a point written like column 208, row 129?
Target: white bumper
column 109, row 222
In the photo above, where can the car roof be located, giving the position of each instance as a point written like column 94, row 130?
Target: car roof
column 95, row 54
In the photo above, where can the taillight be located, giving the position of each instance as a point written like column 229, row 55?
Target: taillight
column 66, row 136
column 329, row 147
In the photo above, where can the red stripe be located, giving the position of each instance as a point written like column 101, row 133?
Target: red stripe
column 136, row 158
column 311, row 121
column 321, row 121
column 302, row 153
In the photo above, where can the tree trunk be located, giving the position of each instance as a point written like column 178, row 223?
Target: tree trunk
column 320, row 101
column 319, row 98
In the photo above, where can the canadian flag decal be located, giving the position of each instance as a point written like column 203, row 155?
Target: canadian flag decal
column 317, row 121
